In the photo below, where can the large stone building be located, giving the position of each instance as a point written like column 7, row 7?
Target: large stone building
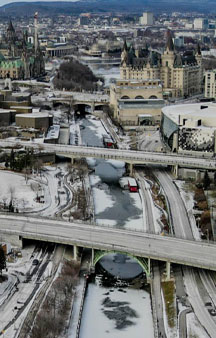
column 20, row 59
column 181, row 74
column 137, row 102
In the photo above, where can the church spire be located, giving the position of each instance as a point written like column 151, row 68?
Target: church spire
column 11, row 35
column 125, row 47
column 198, row 51
column 169, row 45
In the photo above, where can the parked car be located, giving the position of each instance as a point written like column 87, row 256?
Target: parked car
column 35, row 262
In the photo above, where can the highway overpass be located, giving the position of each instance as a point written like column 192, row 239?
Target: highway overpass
column 129, row 156
column 138, row 244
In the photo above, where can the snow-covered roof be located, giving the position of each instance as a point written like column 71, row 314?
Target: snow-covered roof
column 34, row 115
column 4, row 111
column 192, row 110
column 53, row 132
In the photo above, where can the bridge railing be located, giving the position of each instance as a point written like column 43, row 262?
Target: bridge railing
column 104, row 225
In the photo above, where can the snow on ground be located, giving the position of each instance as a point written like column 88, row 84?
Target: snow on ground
column 155, row 209
column 55, row 197
column 6, row 287
column 95, row 324
column 16, row 298
column 23, row 192
column 188, row 199
column 194, row 329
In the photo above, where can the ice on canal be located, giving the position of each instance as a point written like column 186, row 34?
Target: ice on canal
column 116, row 207
column 101, row 304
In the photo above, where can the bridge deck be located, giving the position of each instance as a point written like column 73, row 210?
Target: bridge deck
column 129, row 156
column 191, row 253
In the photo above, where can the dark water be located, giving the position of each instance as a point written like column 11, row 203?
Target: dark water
column 121, row 266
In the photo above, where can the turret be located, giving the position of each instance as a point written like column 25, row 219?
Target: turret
column 124, row 54
column 169, row 43
column 11, row 34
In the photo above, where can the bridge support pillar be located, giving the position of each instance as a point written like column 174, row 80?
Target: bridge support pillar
column 92, row 257
column 175, row 170
column 149, row 265
column 167, row 271
column 149, row 277
column 72, row 160
column 75, row 252
column 131, row 169
column 198, row 175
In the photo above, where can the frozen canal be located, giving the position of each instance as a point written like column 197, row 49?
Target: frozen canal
column 114, row 312
column 130, row 311
column 113, row 205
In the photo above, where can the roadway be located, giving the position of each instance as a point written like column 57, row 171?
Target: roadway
column 140, row 244
column 182, row 228
column 129, row 156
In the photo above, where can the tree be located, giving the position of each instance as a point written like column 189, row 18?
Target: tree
column 2, row 260
column 206, row 180
column 12, row 159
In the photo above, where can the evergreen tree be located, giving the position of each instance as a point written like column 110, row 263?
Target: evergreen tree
column 206, row 180
column 2, row 260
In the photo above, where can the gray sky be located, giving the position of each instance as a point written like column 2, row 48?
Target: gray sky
column 4, row 2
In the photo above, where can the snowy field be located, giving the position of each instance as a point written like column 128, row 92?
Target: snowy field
column 23, row 192
column 95, row 323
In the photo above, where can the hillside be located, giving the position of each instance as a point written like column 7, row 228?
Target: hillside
column 100, row 6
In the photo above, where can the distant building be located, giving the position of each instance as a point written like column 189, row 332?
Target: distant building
column 180, row 74
column 210, row 84
column 200, row 23
column 83, row 20
column 19, row 59
column 137, row 102
column 147, row 19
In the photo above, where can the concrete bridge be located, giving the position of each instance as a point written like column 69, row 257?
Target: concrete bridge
column 129, row 156
column 81, row 100
column 143, row 246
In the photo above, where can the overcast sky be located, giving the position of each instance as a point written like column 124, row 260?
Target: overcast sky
column 4, row 2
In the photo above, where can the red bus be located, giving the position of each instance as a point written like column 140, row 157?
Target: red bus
column 132, row 184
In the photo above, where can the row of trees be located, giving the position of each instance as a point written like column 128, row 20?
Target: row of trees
column 23, row 162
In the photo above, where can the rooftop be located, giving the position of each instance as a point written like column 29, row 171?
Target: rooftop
column 192, row 110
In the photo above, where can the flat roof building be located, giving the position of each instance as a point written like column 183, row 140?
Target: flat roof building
column 190, row 128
